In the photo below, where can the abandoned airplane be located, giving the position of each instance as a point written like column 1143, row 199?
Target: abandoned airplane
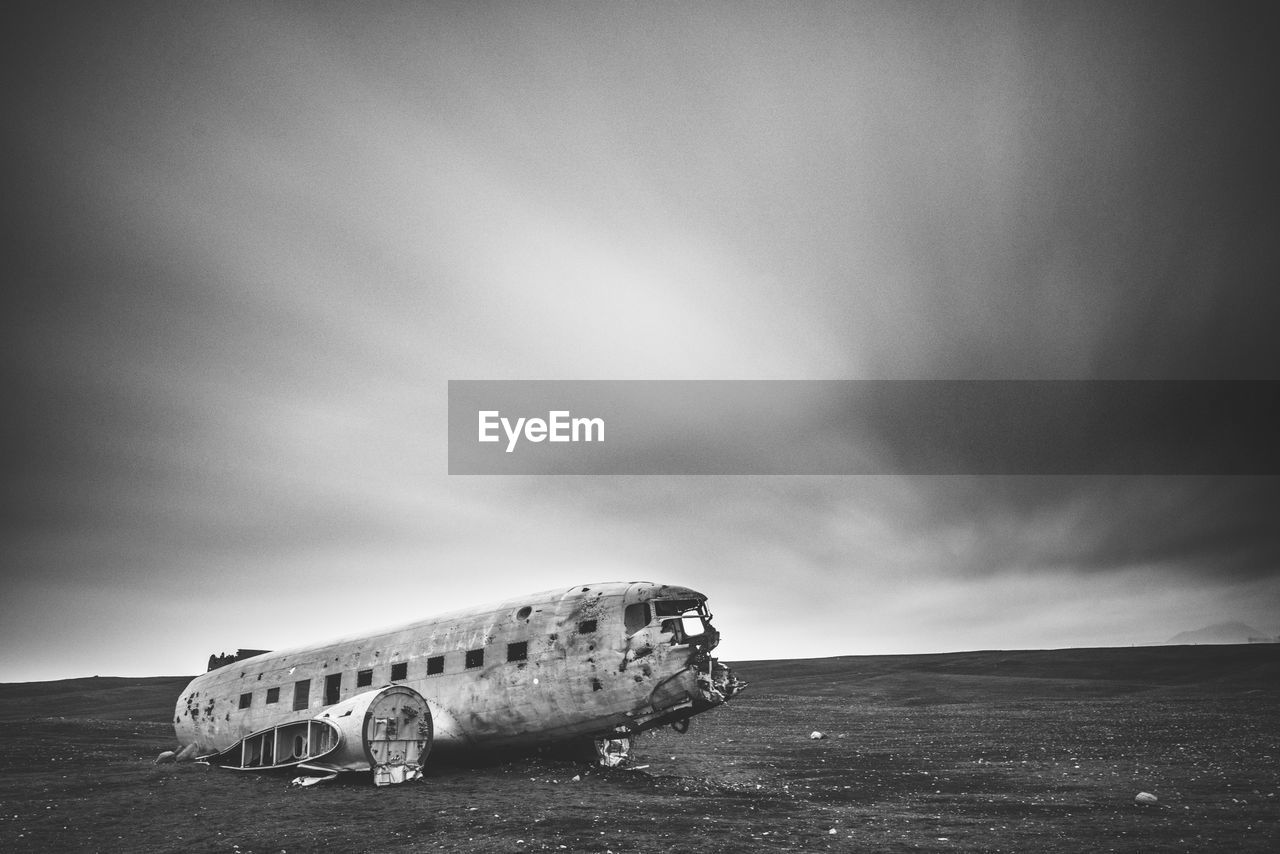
column 598, row 664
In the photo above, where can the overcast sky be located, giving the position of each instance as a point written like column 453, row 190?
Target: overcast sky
column 249, row 244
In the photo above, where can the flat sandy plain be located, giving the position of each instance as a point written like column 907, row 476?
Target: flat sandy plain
column 980, row 751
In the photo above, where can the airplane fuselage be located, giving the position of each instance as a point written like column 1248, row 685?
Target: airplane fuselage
column 592, row 662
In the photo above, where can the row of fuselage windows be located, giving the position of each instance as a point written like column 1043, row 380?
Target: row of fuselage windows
column 473, row 659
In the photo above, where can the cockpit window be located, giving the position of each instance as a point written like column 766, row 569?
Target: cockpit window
column 683, row 619
column 636, row 617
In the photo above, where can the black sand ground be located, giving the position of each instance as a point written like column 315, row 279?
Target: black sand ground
column 983, row 751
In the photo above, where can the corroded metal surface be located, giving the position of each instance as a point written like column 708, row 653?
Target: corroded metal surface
column 595, row 661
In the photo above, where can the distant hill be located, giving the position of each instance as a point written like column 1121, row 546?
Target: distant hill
column 1010, row 675
column 143, row 699
column 1219, row 633
column 984, row 676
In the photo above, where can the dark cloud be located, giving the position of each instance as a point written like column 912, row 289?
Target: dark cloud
column 1212, row 528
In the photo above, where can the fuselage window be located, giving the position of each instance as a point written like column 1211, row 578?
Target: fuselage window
column 332, row 688
column 364, row 678
column 586, row 627
column 435, row 664
column 301, row 694
column 399, row 671
column 273, row 695
column 246, row 700
column 475, row 658
column 518, row 651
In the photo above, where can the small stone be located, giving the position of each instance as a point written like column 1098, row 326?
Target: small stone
column 1146, row 798
column 815, row 735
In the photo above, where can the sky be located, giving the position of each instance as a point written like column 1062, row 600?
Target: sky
column 248, row 245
